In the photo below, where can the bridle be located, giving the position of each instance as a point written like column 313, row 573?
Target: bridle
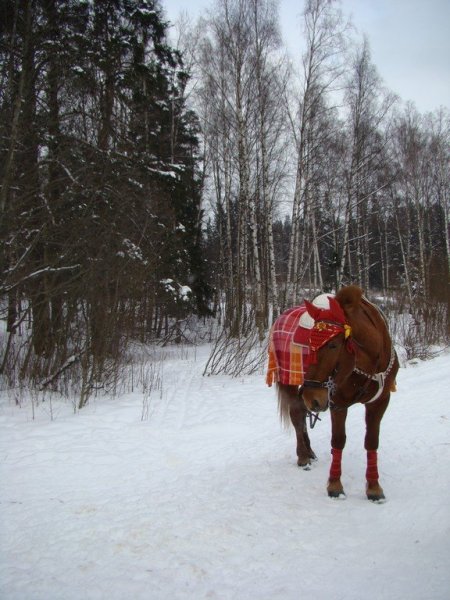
column 330, row 385
column 335, row 329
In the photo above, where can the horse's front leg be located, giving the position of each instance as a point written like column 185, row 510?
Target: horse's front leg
column 338, row 439
column 374, row 414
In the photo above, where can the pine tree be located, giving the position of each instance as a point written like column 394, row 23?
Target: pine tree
column 101, row 194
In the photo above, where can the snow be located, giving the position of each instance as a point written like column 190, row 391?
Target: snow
column 132, row 251
column 185, row 292
column 182, row 291
column 203, row 500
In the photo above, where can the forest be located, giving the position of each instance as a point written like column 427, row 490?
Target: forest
column 158, row 188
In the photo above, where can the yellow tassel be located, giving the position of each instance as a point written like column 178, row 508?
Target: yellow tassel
column 348, row 331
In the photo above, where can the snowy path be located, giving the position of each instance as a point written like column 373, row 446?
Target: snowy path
column 204, row 500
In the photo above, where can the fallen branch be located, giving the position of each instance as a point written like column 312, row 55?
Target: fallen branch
column 69, row 362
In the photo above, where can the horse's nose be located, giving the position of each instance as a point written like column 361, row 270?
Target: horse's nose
column 315, row 406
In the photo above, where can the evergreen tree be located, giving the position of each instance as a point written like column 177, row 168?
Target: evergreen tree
column 101, row 194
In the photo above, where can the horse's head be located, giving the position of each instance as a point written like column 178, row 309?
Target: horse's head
column 332, row 356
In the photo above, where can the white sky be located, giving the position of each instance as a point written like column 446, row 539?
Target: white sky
column 409, row 40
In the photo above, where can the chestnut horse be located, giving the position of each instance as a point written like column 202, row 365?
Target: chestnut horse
column 353, row 361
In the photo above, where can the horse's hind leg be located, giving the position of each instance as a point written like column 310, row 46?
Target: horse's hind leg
column 306, row 436
column 292, row 407
column 305, row 454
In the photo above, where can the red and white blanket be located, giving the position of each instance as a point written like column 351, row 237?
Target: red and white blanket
column 289, row 351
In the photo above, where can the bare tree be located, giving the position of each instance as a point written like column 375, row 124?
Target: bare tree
column 421, row 194
column 243, row 131
column 322, row 68
column 368, row 106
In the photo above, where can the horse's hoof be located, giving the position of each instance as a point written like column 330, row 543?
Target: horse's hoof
column 375, row 493
column 304, row 464
column 377, row 498
column 335, row 489
column 337, row 495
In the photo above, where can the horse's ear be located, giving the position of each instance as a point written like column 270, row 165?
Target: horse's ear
column 336, row 310
column 312, row 310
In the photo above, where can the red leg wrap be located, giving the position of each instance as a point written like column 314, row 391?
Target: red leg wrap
column 335, row 469
column 372, row 469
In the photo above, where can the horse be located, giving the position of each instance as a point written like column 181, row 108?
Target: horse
column 351, row 360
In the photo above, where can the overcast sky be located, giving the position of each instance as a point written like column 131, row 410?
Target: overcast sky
column 409, row 40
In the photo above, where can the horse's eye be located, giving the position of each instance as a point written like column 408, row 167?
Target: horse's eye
column 332, row 345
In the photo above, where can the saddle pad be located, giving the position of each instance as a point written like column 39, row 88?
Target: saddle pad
column 289, row 353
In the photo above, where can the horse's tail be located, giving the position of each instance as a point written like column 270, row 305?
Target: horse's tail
column 283, row 404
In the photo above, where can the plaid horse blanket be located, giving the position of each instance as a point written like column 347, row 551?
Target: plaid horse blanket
column 289, row 352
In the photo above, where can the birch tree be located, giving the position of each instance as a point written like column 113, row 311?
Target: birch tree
column 421, row 192
column 324, row 30
column 439, row 127
column 368, row 106
column 243, row 129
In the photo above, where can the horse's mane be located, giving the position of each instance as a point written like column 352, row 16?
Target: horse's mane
column 352, row 297
column 349, row 297
column 367, row 321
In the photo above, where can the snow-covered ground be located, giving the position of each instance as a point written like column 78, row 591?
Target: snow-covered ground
column 203, row 500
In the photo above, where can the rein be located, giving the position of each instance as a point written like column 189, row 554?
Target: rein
column 313, row 418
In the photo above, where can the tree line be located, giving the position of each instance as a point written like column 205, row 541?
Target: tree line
column 101, row 187
column 143, row 181
column 367, row 179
